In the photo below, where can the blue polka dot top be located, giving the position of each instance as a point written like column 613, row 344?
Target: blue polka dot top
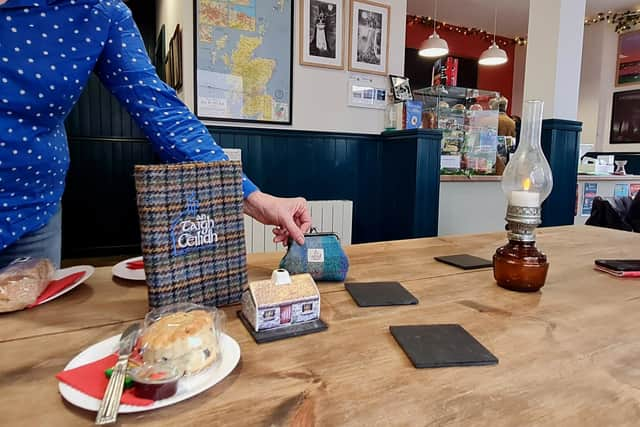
column 48, row 49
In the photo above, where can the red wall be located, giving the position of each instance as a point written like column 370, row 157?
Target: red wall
column 498, row 78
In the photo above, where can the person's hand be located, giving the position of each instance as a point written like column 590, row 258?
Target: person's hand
column 290, row 216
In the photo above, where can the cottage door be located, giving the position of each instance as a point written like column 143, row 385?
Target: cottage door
column 285, row 314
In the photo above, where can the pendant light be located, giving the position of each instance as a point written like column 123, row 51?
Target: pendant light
column 434, row 46
column 494, row 55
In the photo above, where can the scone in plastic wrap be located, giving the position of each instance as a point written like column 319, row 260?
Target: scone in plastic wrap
column 183, row 335
column 22, row 282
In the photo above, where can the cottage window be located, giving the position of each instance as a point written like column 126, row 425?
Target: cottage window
column 307, row 307
column 268, row 314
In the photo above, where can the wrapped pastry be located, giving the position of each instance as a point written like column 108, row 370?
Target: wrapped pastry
column 183, row 335
column 22, row 281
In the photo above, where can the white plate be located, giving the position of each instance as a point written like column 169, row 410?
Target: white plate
column 187, row 386
column 120, row 270
column 88, row 270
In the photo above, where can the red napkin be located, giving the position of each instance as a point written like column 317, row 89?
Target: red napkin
column 135, row 265
column 56, row 286
column 91, row 380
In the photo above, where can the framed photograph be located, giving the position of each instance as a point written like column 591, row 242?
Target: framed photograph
column 243, row 59
column 175, row 59
column 161, row 53
column 368, row 37
column 628, row 67
column 625, row 118
column 401, row 88
column 322, row 33
column 168, row 74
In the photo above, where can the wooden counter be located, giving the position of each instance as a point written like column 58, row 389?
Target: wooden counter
column 497, row 178
column 568, row 355
column 621, row 178
column 473, row 178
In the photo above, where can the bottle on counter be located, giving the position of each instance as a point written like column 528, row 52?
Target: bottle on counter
column 390, row 118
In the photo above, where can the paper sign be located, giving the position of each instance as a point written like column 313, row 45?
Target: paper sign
column 621, row 190
column 234, row 154
column 589, row 193
column 363, row 92
column 450, row 161
column 413, row 114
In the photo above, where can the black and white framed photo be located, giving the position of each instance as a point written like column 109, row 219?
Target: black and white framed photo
column 322, row 33
column 368, row 37
column 401, row 88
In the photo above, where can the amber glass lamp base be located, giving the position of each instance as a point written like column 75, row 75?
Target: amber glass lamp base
column 520, row 266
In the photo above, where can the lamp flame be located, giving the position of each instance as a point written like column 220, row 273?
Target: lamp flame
column 526, row 184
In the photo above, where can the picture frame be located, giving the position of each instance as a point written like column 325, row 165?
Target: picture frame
column 168, row 78
column 322, row 33
column 219, row 91
column 628, row 59
column 175, row 59
column 161, row 53
column 369, row 37
column 625, row 120
column 401, row 88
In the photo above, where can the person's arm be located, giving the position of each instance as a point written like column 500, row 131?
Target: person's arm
column 125, row 69
column 177, row 136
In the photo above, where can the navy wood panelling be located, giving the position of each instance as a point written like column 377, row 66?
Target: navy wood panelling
column 411, row 183
column 99, row 214
column 561, row 146
column 393, row 181
column 316, row 166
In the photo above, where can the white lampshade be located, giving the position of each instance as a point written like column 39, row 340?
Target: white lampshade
column 434, row 47
column 493, row 56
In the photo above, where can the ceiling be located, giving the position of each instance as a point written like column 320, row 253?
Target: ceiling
column 513, row 15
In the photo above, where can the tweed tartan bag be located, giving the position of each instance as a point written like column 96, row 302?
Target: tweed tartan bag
column 192, row 230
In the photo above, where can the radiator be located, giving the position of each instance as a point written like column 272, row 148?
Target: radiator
column 327, row 216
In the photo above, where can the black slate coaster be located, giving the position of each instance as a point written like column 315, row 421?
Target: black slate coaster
column 465, row 261
column 439, row 346
column 283, row 333
column 375, row 294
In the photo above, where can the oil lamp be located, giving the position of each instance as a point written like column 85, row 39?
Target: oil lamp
column 527, row 182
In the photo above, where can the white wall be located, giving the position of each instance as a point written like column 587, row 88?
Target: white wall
column 597, row 86
column 517, row 93
column 554, row 55
column 171, row 13
column 319, row 95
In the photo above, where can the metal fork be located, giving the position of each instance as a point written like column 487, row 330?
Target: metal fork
column 108, row 410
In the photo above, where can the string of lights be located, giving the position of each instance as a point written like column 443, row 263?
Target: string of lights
column 623, row 21
column 466, row 31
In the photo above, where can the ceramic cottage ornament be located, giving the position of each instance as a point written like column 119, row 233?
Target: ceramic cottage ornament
column 281, row 301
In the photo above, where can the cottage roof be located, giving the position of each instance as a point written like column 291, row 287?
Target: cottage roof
column 265, row 292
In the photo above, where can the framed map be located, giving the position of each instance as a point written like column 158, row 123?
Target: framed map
column 243, row 60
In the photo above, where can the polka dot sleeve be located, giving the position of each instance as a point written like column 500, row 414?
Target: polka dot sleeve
column 125, row 69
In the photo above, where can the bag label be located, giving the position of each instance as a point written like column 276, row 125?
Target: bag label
column 315, row 255
column 192, row 230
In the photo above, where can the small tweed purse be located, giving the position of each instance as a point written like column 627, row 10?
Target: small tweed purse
column 321, row 256
column 192, row 230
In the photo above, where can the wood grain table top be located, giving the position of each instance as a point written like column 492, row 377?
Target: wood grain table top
column 569, row 355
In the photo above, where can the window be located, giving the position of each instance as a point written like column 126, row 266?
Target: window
column 268, row 314
column 307, row 307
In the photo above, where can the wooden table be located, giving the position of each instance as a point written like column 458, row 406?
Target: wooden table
column 569, row 355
